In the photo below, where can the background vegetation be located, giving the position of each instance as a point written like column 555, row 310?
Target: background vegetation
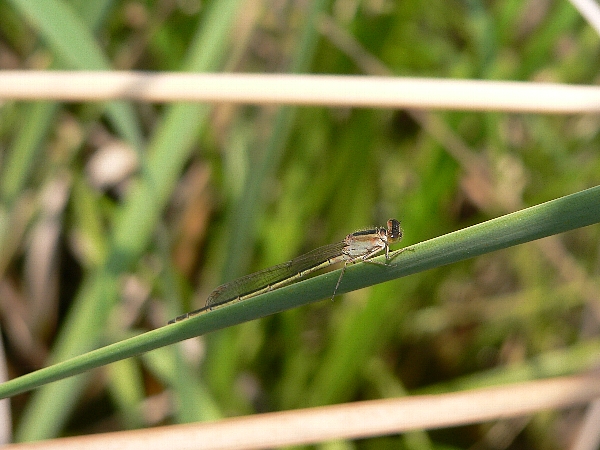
column 238, row 188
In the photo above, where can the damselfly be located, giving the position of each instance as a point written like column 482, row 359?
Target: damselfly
column 358, row 246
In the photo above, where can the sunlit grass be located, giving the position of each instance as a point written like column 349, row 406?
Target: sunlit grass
column 221, row 192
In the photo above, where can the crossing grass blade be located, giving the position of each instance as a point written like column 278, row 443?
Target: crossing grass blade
column 553, row 217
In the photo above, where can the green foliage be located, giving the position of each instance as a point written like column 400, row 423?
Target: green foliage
column 221, row 191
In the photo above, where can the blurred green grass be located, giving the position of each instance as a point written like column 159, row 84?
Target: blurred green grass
column 224, row 191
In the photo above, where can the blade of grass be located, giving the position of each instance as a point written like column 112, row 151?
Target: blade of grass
column 169, row 149
column 553, row 217
column 15, row 172
column 71, row 40
column 28, row 143
column 25, row 150
column 61, row 28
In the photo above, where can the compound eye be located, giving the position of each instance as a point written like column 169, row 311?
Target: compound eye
column 394, row 230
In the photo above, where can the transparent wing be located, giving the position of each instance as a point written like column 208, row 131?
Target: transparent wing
column 266, row 279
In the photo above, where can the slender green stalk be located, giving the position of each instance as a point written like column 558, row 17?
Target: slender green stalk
column 168, row 151
column 553, row 217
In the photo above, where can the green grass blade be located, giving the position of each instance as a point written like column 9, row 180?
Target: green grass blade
column 71, row 40
column 169, row 149
column 553, row 217
column 25, row 150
